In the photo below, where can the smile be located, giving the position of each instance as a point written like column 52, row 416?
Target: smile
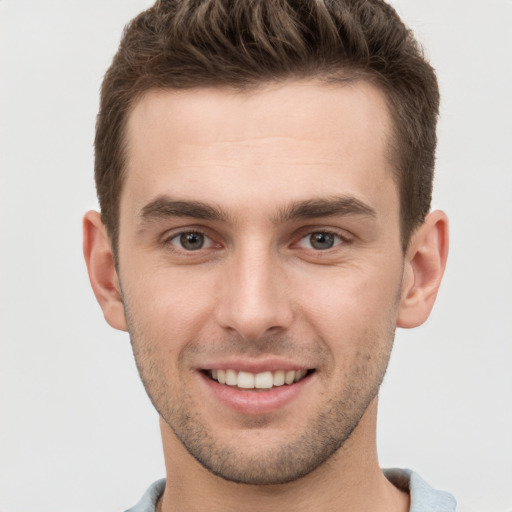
column 266, row 389
column 262, row 380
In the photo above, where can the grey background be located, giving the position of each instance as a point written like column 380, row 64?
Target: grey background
column 77, row 432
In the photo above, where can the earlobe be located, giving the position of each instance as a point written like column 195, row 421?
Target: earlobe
column 102, row 273
column 425, row 262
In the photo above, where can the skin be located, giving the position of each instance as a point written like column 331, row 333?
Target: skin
column 257, row 173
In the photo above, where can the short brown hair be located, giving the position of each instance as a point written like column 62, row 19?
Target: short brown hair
column 183, row 44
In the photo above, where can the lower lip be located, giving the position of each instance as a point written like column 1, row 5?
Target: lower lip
column 254, row 401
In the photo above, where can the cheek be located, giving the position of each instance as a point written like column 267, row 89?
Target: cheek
column 169, row 306
column 349, row 303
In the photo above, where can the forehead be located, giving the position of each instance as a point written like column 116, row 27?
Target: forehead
column 281, row 141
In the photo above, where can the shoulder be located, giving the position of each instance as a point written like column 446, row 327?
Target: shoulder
column 150, row 498
column 423, row 496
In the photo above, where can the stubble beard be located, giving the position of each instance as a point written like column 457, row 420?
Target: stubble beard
column 323, row 436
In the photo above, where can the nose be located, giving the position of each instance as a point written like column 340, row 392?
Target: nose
column 254, row 298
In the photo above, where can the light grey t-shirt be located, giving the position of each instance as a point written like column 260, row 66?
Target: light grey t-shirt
column 423, row 497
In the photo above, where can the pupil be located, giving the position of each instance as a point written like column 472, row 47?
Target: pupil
column 192, row 241
column 322, row 240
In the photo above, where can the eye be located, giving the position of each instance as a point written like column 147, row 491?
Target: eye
column 320, row 240
column 191, row 241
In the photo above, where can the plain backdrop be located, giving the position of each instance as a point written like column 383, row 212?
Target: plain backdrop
column 77, row 432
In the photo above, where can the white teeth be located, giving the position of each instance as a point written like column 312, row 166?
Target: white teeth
column 289, row 377
column 263, row 380
column 231, row 378
column 246, row 380
column 278, row 378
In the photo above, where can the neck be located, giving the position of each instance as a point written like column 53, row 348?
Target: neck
column 350, row 480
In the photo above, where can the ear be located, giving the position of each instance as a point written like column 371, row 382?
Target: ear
column 102, row 273
column 425, row 262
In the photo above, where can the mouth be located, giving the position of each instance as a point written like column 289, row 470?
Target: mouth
column 262, row 381
column 253, row 388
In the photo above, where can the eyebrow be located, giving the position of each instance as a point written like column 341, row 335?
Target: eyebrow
column 329, row 207
column 164, row 207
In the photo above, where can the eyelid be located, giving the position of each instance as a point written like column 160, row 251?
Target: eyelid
column 306, row 239
column 307, row 231
column 170, row 236
column 207, row 241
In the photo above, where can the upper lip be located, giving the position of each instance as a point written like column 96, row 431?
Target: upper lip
column 254, row 365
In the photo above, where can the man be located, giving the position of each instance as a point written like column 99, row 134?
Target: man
column 264, row 171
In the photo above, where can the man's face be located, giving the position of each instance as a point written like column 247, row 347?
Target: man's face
column 259, row 243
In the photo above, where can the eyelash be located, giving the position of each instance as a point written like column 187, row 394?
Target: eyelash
column 339, row 239
column 169, row 240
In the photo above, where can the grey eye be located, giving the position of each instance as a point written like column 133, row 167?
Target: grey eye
column 192, row 241
column 322, row 241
